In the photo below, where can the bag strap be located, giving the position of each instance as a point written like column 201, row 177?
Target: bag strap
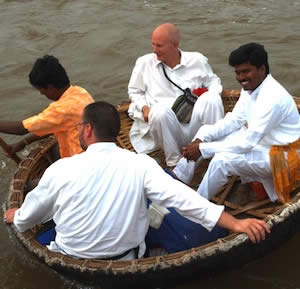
column 163, row 67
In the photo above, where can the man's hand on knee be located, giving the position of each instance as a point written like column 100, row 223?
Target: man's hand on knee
column 192, row 151
column 146, row 110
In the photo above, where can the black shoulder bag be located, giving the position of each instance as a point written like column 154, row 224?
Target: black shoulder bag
column 184, row 104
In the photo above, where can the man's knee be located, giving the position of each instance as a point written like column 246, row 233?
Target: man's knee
column 211, row 104
column 160, row 114
column 221, row 161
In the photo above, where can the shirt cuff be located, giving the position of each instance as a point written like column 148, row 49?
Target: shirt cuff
column 213, row 215
column 206, row 150
column 18, row 223
column 141, row 105
column 27, row 123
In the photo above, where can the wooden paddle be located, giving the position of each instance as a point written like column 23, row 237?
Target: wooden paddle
column 4, row 145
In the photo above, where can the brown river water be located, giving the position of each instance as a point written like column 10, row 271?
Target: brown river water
column 98, row 43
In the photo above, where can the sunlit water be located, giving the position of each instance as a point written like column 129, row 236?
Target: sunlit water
column 98, row 43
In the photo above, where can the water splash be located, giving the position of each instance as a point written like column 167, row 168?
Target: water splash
column 2, row 164
column 25, row 152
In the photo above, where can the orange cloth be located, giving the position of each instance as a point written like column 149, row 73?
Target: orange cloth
column 285, row 170
column 60, row 118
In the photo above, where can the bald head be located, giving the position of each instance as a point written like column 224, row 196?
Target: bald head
column 170, row 31
column 165, row 42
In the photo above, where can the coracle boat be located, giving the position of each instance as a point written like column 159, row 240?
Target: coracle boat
column 159, row 271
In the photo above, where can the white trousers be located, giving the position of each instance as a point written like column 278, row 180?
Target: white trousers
column 251, row 166
column 171, row 136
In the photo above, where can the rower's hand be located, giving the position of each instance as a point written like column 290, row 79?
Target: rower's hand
column 9, row 215
column 14, row 148
column 146, row 110
column 192, row 151
column 254, row 228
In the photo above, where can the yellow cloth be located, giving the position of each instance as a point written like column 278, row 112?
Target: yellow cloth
column 285, row 170
column 60, row 118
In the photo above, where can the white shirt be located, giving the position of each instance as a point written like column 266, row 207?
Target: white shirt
column 271, row 116
column 148, row 85
column 98, row 201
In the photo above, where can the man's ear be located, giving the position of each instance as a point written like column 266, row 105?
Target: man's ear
column 262, row 68
column 88, row 129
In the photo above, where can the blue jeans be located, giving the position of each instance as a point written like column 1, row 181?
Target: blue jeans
column 177, row 233
column 47, row 234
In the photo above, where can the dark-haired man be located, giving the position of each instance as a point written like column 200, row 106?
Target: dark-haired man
column 99, row 205
column 265, row 115
column 49, row 77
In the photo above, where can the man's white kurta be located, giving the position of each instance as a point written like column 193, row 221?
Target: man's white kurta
column 98, row 201
column 240, row 143
column 149, row 86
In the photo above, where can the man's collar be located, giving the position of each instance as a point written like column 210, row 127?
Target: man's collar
column 99, row 146
column 157, row 62
column 183, row 60
column 66, row 92
column 256, row 91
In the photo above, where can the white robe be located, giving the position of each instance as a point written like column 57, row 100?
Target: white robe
column 149, row 86
column 271, row 117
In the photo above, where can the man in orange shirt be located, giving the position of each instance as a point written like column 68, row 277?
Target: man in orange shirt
column 60, row 118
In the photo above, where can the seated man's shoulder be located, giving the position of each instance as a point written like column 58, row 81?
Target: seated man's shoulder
column 79, row 92
column 277, row 90
column 146, row 59
column 139, row 157
column 132, row 154
column 195, row 55
column 59, row 167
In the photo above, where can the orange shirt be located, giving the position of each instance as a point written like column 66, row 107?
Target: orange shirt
column 60, row 118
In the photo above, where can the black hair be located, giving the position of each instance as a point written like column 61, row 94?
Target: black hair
column 254, row 53
column 104, row 118
column 47, row 70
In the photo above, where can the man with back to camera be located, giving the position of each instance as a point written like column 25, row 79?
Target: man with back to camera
column 97, row 199
column 265, row 115
column 49, row 77
column 152, row 95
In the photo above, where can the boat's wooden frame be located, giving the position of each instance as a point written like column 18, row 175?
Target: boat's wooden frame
column 224, row 253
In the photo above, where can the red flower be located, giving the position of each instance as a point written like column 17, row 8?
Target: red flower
column 200, row 90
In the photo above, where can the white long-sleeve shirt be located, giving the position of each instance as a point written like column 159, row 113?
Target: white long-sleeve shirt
column 149, row 86
column 98, row 201
column 271, row 117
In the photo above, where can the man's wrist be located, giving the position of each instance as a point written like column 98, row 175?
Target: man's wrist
column 143, row 108
column 25, row 141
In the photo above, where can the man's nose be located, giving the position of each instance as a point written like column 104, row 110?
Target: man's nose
column 154, row 48
column 239, row 76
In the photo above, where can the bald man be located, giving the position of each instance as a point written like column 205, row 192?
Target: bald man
column 152, row 95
